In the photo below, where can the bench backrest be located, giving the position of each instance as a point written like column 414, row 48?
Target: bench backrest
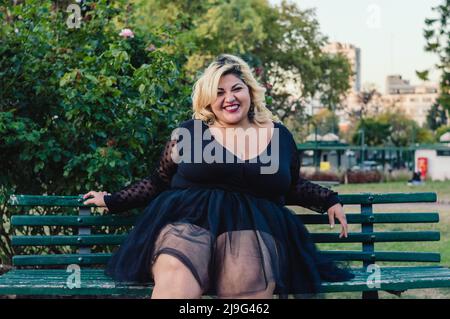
column 91, row 235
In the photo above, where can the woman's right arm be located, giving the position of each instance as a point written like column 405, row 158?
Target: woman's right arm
column 142, row 192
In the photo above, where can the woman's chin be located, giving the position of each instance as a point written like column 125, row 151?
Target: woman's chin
column 233, row 119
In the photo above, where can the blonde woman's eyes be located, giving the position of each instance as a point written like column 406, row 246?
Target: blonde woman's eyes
column 220, row 93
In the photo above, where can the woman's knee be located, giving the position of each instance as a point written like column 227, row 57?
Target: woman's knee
column 173, row 279
column 168, row 266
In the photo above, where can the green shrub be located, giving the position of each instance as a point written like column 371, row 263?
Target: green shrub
column 441, row 131
column 357, row 177
column 84, row 108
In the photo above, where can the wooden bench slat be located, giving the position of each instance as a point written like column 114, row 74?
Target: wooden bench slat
column 387, row 198
column 382, row 256
column 102, row 258
column 47, row 200
column 68, row 240
column 87, row 240
column 95, row 282
column 113, row 220
column 368, row 198
column 54, row 282
column 398, row 236
column 61, row 259
column 377, row 218
column 394, row 278
column 56, row 220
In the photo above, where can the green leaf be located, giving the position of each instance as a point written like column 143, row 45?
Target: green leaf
column 67, row 77
column 423, row 75
column 91, row 78
column 38, row 167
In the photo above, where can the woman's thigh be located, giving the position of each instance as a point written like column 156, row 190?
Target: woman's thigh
column 187, row 247
column 173, row 279
column 244, row 262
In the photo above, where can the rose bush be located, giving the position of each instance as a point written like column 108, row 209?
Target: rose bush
column 81, row 108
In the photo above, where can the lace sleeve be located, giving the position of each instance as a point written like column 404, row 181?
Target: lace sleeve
column 306, row 194
column 142, row 192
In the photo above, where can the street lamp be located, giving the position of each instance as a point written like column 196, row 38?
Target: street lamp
column 316, row 160
column 361, row 131
column 311, row 122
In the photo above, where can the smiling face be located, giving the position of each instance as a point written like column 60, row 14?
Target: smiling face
column 232, row 103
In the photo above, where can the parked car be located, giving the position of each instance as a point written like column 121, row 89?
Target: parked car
column 368, row 166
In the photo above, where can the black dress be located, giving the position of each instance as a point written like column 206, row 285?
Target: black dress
column 226, row 222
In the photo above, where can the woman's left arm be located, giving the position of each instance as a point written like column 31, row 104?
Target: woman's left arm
column 313, row 196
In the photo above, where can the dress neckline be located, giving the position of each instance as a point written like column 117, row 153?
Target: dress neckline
column 237, row 157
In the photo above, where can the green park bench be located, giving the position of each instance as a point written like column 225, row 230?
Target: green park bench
column 42, row 270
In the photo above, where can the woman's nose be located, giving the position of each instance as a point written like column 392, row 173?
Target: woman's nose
column 230, row 97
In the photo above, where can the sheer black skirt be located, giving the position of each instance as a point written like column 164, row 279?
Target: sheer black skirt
column 233, row 243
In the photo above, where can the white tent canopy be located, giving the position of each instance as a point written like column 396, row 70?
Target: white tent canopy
column 330, row 137
column 312, row 137
column 445, row 138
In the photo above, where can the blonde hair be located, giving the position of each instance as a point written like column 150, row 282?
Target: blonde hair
column 205, row 89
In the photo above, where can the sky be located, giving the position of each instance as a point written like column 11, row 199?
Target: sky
column 388, row 32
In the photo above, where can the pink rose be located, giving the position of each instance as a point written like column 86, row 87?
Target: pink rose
column 126, row 33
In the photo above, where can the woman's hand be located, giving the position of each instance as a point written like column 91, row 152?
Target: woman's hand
column 96, row 198
column 337, row 212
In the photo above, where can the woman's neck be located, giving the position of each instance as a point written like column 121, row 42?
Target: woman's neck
column 245, row 124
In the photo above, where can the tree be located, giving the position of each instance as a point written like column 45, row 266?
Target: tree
column 326, row 122
column 437, row 35
column 391, row 127
column 204, row 28
column 365, row 97
column 441, row 131
column 376, row 131
column 424, row 136
column 436, row 116
column 292, row 54
column 403, row 130
column 282, row 43
column 334, row 82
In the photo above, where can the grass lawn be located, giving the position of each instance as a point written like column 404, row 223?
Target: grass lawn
column 442, row 246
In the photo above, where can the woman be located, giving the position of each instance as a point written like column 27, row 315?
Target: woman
column 216, row 221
